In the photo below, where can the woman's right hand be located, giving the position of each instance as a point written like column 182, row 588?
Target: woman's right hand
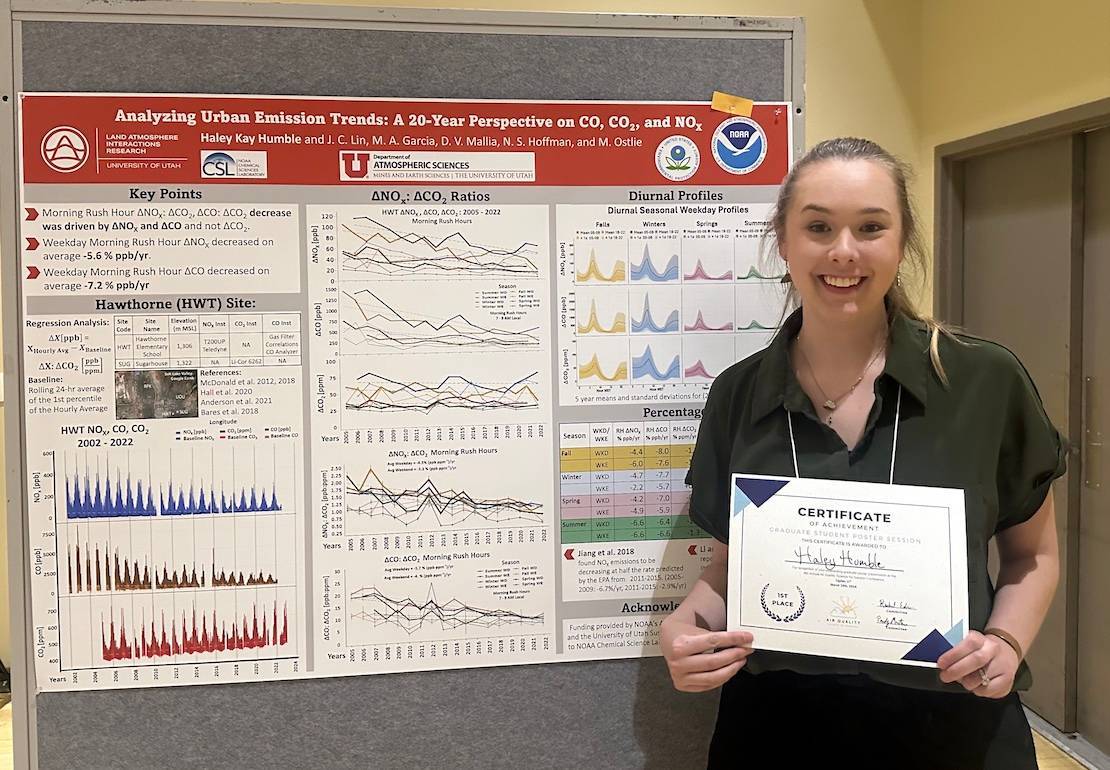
column 701, row 660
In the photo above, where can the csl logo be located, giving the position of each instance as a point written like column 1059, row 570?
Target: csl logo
column 354, row 165
column 217, row 164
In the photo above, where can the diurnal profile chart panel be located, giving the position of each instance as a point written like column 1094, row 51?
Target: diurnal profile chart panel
column 320, row 386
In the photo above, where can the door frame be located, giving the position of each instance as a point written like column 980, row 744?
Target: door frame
column 949, row 168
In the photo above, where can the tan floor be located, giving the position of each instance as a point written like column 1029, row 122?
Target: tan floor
column 6, row 737
column 1048, row 756
column 1051, row 758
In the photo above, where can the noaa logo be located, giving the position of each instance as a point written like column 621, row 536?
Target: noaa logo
column 739, row 145
column 782, row 606
column 64, row 149
column 216, row 164
column 677, row 158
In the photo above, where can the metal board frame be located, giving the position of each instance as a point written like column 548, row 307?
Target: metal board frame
column 261, row 14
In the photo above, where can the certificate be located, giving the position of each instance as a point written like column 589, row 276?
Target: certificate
column 847, row 569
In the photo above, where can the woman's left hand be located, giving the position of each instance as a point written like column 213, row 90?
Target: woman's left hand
column 978, row 655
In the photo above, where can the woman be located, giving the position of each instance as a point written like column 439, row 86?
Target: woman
column 852, row 361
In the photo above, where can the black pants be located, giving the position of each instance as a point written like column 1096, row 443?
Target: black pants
column 783, row 719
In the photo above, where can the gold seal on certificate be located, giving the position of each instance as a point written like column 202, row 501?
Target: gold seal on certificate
column 848, row 569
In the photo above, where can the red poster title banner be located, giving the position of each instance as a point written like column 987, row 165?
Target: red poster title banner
column 140, row 139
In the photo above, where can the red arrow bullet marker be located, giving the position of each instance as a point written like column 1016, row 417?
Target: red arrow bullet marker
column 32, row 272
column 692, row 549
column 569, row 554
column 32, row 214
column 32, row 244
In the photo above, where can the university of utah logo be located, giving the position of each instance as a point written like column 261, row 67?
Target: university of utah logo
column 354, row 165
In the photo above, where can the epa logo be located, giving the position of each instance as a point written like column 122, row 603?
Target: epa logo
column 64, row 149
column 739, row 145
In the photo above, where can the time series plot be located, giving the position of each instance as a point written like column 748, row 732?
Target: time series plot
column 442, row 314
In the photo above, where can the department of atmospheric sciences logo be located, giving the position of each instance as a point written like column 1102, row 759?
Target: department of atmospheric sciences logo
column 782, row 606
column 354, row 165
column 223, row 164
column 64, row 149
column 739, row 145
column 677, row 158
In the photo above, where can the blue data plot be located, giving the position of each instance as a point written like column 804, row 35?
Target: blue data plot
column 647, row 323
column 645, row 366
column 645, row 270
column 94, row 498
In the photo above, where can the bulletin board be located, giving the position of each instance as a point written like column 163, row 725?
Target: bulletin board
column 414, row 64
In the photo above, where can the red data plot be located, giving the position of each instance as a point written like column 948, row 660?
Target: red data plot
column 188, row 638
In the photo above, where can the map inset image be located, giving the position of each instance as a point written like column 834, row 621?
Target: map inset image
column 156, row 394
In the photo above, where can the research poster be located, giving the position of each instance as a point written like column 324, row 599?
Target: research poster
column 318, row 387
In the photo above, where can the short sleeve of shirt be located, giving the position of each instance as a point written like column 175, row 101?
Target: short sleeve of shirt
column 1031, row 453
column 708, row 475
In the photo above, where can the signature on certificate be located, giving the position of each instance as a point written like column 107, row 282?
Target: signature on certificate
column 846, row 558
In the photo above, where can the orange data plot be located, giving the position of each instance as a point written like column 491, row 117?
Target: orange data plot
column 593, row 271
column 617, row 325
column 592, row 369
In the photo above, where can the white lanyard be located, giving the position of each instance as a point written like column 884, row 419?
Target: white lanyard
column 893, row 449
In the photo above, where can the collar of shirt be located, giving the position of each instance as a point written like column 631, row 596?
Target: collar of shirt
column 907, row 362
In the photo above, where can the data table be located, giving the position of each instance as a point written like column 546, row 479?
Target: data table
column 208, row 340
column 625, row 481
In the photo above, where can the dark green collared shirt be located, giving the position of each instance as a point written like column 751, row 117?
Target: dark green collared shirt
column 986, row 433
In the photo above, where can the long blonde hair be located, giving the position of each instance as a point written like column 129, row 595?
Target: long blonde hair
column 911, row 272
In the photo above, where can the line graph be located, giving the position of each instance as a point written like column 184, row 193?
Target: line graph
column 759, row 305
column 699, row 325
column 645, row 366
column 647, row 323
column 593, row 369
column 428, row 506
column 645, row 270
column 378, row 608
column 618, row 324
column 706, row 356
column 708, row 258
column 699, row 273
column 698, row 370
column 370, row 324
column 757, row 274
column 378, row 249
column 588, row 263
column 183, row 482
column 92, row 574
column 192, row 635
column 376, row 393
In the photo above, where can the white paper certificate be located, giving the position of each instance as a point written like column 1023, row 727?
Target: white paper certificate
column 847, row 569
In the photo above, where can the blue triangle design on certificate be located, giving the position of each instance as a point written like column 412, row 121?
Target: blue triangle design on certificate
column 955, row 634
column 740, row 501
column 760, row 491
column 930, row 648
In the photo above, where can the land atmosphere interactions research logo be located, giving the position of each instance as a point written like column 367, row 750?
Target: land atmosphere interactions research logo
column 64, row 149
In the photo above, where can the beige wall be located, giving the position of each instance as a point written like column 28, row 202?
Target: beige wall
column 991, row 63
